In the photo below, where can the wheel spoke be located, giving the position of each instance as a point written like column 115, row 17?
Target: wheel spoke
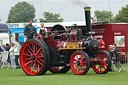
column 34, row 49
column 83, row 58
column 100, row 67
column 28, row 58
column 78, row 68
column 39, row 62
column 33, row 67
column 41, row 53
column 27, row 54
column 40, row 57
column 42, row 60
column 38, row 51
column 30, row 52
column 104, row 67
column 36, row 66
column 30, row 47
column 27, row 63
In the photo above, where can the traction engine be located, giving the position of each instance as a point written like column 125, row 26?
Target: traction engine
column 61, row 50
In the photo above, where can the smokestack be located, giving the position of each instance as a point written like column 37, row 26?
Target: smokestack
column 88, row 20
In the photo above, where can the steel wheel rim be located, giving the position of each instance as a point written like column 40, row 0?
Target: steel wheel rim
column 32, row 58
column 78, row 63
column 103, row 65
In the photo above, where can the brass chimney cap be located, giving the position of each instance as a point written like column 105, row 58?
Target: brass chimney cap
column 87, row 8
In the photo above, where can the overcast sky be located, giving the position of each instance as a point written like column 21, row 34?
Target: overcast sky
column 70, row 10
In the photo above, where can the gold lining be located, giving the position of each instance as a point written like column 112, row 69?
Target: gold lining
column 87, row 9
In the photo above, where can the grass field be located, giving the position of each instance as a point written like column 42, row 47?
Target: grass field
column 18, row 77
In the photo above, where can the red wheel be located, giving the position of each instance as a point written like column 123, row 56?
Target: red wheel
column 79, row 62
column 60, row 69
column 33, row 57
column 103, row 66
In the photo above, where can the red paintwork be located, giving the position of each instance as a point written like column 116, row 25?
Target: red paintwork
column 50, row 40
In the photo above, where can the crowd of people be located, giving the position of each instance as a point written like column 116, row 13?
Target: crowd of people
column 9, row 55
column 115, row 57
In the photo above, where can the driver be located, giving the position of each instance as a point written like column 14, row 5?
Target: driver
column 29, row 30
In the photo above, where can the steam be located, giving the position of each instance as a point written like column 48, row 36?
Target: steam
column 79, row 3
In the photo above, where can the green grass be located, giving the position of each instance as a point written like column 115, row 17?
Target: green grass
column 18, row 77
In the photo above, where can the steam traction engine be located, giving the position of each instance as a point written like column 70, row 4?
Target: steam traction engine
column 62, row 50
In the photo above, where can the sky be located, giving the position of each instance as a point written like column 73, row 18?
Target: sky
column 70, row 10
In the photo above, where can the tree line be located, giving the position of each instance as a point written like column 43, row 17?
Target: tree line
column 23, row 11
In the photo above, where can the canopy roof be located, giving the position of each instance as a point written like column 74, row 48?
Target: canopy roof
column 3, row 27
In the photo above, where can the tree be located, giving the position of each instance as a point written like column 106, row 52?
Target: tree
column 122, row 16
column 21, row 12
column 51, row 17
column 104, row 15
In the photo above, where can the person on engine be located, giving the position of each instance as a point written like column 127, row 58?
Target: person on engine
column 29, row 30
column 42, row 30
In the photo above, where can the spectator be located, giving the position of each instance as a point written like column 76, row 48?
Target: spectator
column 7, row 48
column 4, row 57
column 111, row 55
column 29, row 30
column 0, row 55
column 1, row 50
column 117, row 61
column 12, row 57
column 16, row 53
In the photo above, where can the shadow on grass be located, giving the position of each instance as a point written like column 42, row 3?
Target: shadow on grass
column 70, row 73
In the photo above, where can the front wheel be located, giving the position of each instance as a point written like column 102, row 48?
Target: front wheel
column 103, row 66
column 79, row 62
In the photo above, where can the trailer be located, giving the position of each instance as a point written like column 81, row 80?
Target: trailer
column 4, row 34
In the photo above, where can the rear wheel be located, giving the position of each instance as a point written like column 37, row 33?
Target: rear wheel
column 33, row 57
column 102, row 67
column 59, row 69
column 79, row 63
